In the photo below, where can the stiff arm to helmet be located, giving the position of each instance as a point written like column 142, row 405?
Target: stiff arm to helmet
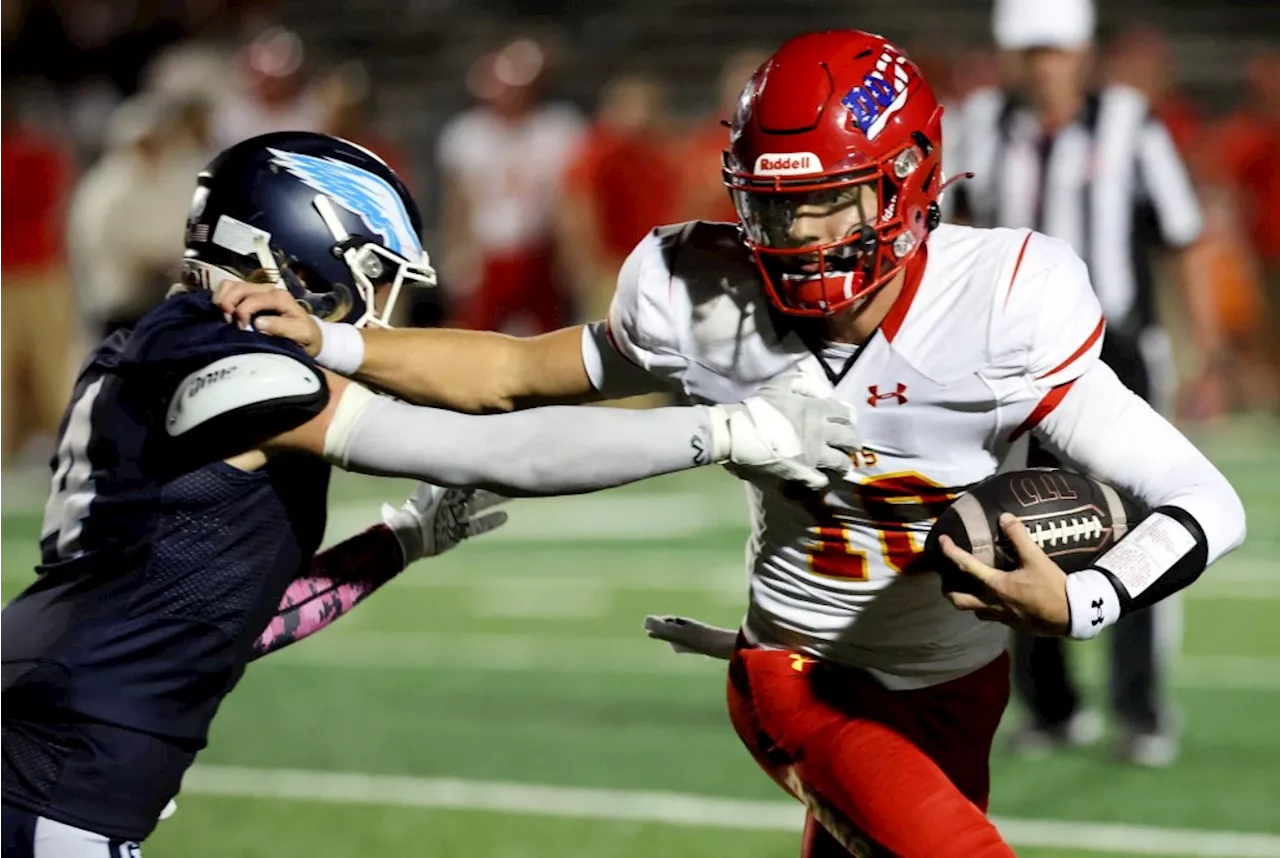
column 782, row 432
column 233, row 404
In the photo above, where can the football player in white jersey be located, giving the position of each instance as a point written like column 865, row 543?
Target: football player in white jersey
column 854, row 681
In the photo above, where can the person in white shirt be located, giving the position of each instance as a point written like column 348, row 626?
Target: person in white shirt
column 126, row 217
column 503, row 163
column 854, row 682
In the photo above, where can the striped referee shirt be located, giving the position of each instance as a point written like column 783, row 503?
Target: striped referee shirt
column 1111, row 184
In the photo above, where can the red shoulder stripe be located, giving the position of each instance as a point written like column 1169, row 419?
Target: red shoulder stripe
column 1016, row 266
column 1043, row 408
column 1084, row 347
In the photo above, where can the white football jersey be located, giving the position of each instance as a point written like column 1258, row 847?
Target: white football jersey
column 512, row 169
column 976, row 351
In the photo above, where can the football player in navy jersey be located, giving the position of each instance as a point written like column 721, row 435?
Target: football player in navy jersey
column 189, row 489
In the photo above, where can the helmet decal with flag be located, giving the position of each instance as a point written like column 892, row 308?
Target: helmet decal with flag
column 317, row 215
column 835, row 121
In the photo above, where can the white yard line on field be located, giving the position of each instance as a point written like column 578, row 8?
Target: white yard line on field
column 669, row 808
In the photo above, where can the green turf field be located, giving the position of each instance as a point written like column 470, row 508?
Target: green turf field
column 501, row 701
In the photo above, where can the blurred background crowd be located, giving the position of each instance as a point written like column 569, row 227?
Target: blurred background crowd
column 543, row 138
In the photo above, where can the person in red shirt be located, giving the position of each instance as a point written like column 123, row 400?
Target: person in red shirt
column 623, row 181
column 1250, row 142
column 704, row 196
column 1249, row 146
column 38, row 310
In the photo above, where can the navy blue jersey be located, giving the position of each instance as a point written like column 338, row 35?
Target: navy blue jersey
column 161, row 564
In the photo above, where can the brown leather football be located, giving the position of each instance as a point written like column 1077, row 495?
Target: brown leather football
column 1073, row 517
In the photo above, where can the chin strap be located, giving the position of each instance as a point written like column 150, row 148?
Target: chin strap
column 949, row 182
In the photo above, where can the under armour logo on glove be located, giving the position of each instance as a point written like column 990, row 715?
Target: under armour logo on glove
column 1099, row 618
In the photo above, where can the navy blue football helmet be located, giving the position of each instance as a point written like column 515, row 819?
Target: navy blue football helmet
column 314, row 214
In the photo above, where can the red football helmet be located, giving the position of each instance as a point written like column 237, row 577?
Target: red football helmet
column 826, row 119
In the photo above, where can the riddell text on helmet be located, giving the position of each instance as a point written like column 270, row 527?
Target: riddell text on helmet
column 787, row 164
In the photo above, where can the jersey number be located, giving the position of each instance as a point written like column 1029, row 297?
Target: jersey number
column 72, row 490
column 893, row 503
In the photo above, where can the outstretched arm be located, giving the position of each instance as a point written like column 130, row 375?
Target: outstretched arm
column 781, row 432
column 472, row 371
column 432, row 521
column 336, row 581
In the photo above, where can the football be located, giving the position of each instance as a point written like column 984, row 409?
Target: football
column 1074, row 518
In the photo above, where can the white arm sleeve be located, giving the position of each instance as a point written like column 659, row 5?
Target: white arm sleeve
column 542, row 451
column 1106, row 430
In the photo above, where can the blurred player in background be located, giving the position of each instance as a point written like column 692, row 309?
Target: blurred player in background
column 1097, row 169
column 190, row 484
column 125, row 225
column 273, row 93
column 34, row 378
column 503, row 164
column 1250, row 144
column 617, row 186
column 853, row 681
column 702, row 192
column 345, row 94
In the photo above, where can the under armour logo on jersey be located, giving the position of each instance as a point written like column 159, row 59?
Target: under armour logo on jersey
column 1099, row 618
column 899, row 395
column 360, row 192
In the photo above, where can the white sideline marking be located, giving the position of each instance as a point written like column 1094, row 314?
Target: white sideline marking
column 671, row 808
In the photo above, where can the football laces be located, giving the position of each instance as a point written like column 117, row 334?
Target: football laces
column 1051, row 533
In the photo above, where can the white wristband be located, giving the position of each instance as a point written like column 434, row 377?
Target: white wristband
column 1093, row 603
column 341, row 347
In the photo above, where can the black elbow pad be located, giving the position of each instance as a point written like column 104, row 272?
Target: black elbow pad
column 1181, row 573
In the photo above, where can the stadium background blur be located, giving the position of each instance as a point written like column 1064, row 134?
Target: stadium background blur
column 501, row 701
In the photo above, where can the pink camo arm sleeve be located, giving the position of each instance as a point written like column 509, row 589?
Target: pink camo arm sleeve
column 335, row 582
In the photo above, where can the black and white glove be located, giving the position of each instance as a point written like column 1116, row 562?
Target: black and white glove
column 686, row 635
column 790, row 430
column 435, row 519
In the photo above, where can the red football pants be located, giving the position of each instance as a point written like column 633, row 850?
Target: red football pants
column 907, row 769
column 520, row 284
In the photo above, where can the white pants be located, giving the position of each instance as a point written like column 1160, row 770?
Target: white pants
column 56, row 840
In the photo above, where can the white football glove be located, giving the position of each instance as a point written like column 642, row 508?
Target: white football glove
column 788, row 430
column 435, row 519
column 686, row 635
